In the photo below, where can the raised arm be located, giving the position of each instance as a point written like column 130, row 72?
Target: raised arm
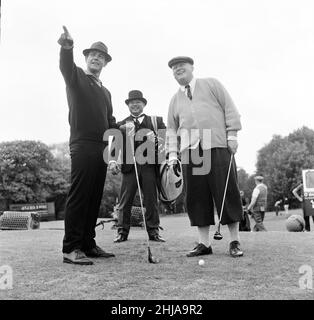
column 296, row 190
column 67, row 65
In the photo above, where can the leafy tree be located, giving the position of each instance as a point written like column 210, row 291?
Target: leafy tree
column 29, row 172
column 281, row 162
column 61, row 151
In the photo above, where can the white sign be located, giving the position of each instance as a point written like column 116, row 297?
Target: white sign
column 6, row 277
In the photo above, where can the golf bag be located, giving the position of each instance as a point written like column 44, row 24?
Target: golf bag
column 169, row 179
column 245, row 224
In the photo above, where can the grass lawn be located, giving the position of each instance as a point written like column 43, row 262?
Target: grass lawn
column 268, row 270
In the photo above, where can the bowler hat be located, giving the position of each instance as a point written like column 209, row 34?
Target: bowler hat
column 176, row 60
column 135, row 95
column 98, row 46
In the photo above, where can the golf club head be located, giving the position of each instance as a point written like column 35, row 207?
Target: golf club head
column 151, row 258
column 218, row 236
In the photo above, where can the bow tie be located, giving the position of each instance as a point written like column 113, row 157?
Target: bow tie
column 138, row 117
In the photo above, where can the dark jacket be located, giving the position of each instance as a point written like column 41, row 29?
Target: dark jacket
column 90, row 107
column 127, row 158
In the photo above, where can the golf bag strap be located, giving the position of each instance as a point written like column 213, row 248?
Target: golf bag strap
column 154, row 122
column 158, row 174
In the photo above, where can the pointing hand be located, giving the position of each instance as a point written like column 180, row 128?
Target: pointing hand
column 65, row 39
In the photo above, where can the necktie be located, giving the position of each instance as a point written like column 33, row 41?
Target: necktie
column 188, row 91
column 136, row 121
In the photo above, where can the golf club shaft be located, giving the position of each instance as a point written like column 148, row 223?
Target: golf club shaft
column 139, row 189
column 225, row 191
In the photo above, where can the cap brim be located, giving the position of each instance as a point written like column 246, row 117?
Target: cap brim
column 142, row 99
column 171, row 63
column 87, row 51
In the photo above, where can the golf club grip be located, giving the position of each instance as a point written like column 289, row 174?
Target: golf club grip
column 225, row 191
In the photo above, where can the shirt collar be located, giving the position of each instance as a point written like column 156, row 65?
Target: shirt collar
column 192, row 85
column 140, row 116
column 93, row 76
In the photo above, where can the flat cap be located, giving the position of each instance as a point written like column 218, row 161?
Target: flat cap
column 176, row 60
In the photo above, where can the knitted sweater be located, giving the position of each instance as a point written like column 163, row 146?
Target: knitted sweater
column 90, row 107
column 261, row 201
column 210, row 108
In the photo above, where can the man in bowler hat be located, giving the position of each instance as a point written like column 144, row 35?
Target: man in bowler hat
column 90, row 115
column 203, row 115
column 141, row 131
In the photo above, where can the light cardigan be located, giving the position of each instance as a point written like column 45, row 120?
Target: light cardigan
column 211, row 108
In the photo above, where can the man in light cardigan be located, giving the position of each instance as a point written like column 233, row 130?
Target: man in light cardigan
column 204, row 118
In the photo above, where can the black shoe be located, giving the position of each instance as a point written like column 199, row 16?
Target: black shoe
column 97, row 252
column 156, row 237
column 120, row 238
column 76, row 257
column 200, row 250
column 235, row 250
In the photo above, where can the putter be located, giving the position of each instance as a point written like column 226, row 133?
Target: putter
column 218, row 235
column 151, row 258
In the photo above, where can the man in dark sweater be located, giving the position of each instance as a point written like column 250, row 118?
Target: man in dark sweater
column 90, row 115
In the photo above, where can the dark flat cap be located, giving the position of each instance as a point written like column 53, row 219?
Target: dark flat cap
column 176, row 60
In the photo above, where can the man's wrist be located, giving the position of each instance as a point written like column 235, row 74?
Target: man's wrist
column 232, row 138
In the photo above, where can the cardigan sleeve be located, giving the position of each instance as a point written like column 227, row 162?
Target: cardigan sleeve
column 232, row 116
column 172, row 129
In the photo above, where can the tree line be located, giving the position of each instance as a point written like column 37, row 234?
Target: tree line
column 32, row 172
column 281, row 162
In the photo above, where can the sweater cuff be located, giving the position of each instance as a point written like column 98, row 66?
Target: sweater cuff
column 232, row 133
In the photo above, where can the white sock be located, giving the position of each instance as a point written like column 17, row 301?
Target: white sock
column 234, row 231
column 203, row 235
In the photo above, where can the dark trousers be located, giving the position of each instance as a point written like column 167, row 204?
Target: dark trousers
column 258, row 217
column 203, row 190
column 277, row 209
column 307, row 222
column 147, row 178
column 88, row 174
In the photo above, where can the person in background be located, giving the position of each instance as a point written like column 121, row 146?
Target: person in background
column 299, row 194
column 258, row 203
column 245, row 224
column 286, row 205
column 277, row 206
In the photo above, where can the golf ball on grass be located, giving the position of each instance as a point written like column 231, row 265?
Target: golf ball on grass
column 201, row 262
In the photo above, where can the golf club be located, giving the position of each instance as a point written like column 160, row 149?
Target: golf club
column 151, row 258
column 102, row 222
column 218, row 235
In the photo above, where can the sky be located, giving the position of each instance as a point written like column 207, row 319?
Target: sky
column 261, row 51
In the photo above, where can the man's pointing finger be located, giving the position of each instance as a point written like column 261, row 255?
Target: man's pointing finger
column 65, row 30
